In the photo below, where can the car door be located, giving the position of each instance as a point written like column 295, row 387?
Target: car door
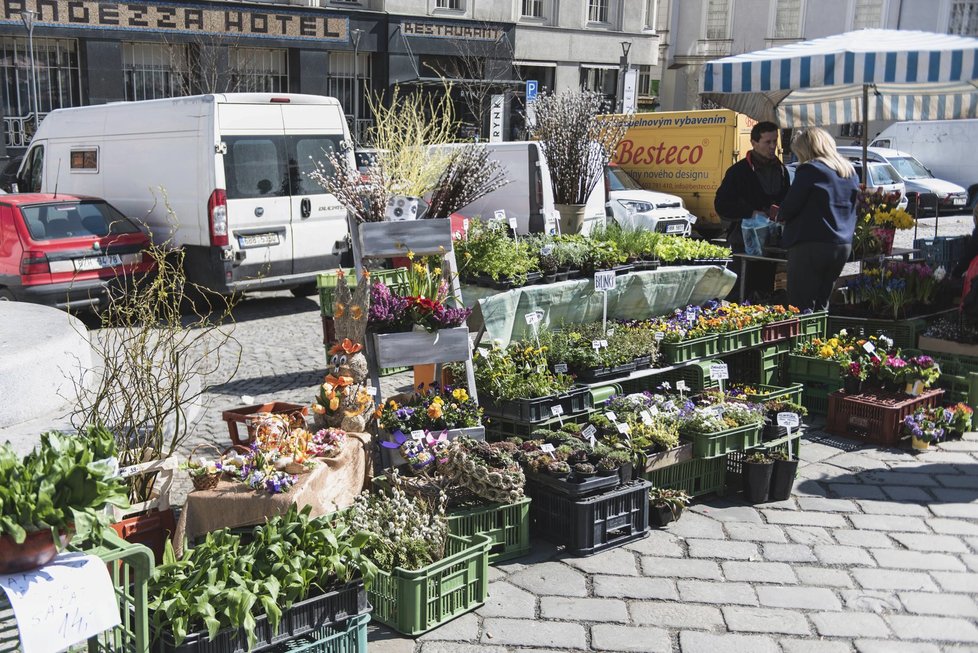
column 256, row 179
column 314, row 133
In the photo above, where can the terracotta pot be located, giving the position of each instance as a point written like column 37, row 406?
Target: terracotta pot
column 36, row 551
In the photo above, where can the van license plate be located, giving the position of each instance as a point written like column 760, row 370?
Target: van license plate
column 97, row 262
column 675, row 228
column 258, row 240
column 959, row 201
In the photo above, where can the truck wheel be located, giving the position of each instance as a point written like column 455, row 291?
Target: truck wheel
column 6, row 295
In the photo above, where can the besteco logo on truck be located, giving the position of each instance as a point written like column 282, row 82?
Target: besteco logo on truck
column 685, row 153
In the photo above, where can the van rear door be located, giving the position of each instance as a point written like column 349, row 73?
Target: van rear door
column 256, row 180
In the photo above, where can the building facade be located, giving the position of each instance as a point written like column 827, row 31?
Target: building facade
column 696, row 31
column 63, row 53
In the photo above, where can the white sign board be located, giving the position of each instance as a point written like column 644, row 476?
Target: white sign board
column 629, row 98
column 497, row 119
column 604, row 281
column 62, row 603
column 719, row 372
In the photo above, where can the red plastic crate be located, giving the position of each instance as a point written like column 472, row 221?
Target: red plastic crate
column 777, row 331
column 876, row 415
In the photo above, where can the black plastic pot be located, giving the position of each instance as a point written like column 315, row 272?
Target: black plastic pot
column 782, row 479
column 660, row 515
column 625, row 473
column 852, row 385
column 757, row 481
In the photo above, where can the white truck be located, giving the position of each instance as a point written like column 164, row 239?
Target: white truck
column 233, row 168
column 946, row 147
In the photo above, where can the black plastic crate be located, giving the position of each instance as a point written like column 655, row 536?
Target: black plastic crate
column 575, row 401
column 575, row 489
column 303, row 617
column 500, row 428
column 591, row 524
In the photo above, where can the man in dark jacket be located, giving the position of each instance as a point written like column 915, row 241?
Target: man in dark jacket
column 754, row 184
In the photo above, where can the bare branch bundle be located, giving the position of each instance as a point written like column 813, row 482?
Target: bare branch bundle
column 577, row 141
column 469, row 176
column 364, row 198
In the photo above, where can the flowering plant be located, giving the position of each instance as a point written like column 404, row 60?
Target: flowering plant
column 961, row 420
column 922, row 367
column 880, row 209
column 928, row 424
column 393, row 313
column 431, row 408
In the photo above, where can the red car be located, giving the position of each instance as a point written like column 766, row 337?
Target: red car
column 66, row 250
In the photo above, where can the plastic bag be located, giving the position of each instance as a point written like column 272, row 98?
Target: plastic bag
column 754, row 230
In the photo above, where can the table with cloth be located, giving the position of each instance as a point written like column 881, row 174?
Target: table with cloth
column 637, row 296
column 331, row 485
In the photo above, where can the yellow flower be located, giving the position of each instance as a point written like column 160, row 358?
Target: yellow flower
column 833, row 342
column 460, row 394
column 436, row 271
column 394, row 405
column 437, row 400
column 419, row 268
column 410, row 255
column 825, row 352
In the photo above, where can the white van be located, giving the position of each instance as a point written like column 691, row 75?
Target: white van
column 916, row 177
column 232, row 167
column 946, row 147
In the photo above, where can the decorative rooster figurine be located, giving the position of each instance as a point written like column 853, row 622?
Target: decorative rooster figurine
column 343, row 400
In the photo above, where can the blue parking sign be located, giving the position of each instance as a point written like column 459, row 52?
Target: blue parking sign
column 532, row 87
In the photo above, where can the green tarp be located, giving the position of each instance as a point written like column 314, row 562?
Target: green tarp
column 637, row 295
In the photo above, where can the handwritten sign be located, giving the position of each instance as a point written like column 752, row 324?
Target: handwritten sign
column 646, row 417
column 681, row 385
column 869, row 347
column 548, row 448
column 719, row 371
column 546, row 250
column 604, row 343
column 589, row 432
column 659, row 336
column 533, row 317
column 500, row 214
column 604, row 281
column 624, row 428
column 62, row 603
column 512, row 224
column 596, row 344
column 610, row 415
column 560, row 368
column 417, row 434
column 370, row 390
column 789, row 420
column 556, row 410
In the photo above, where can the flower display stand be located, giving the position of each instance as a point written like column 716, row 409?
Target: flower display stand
column 875, row 415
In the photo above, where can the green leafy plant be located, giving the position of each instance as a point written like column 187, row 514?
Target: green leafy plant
column 224, row 582
column 759, row 457
column 489, row 250
column 675, row 500
column 517, row 372
column 65, row 484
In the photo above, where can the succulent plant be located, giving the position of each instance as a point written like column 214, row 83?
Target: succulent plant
column 607, row 465
column 558, row 468
column 485, row 471
column 578, row 456
column 584, row 469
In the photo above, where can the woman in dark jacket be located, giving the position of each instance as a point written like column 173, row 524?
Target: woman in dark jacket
column 819, row 213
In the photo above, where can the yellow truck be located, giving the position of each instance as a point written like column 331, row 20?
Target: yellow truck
column 685, row 153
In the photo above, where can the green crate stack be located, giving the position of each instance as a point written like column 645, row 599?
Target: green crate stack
column 508, row 525
column 733, row 341
column 500, row 428
column 396, row 279
column 348, row 636
column 415, row 601
column 717, row 444
column 763, row 365
column 813, row 325
column 765, row 392
column 130, row 566
column 941, row 250
column 696, row 477
column 687, row 350
column 820, row 377
column 961, row 388
column 904, row 333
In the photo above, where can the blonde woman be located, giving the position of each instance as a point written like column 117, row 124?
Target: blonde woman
column 819, row 215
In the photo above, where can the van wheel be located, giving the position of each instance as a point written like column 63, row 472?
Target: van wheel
column 305, row 290
column 6, row 295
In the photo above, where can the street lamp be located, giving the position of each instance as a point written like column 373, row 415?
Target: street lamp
column 623, row 65
column 357, row 34
column 28, row 17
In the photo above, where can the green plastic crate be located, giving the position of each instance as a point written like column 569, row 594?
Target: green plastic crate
column 904, row 333
column 813, row 325
column 941, row 250
column 349, row 636
column 508, row 525
column 396, row 279
column 808, row 368
column 768, row 392
column 695, row 477
column 500, row 428
column 414, row 602
column 961, row 388
column 130, row 566
column 737, row 340
column 687, row 350
column 764, row 365
column 717, row 444
column 816, row 396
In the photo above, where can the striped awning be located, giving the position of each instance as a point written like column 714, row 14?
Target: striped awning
column 912, row 76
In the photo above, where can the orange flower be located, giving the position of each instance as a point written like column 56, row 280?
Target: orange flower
column 346, row 347
column 434, row 411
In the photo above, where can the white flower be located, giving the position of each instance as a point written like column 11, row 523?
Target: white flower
column 843, row 333
column 939, row 274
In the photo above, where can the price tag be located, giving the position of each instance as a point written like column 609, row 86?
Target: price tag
column 624, row 429
column 589, row 432
column 556, row 410
column 787, row 419
column 500, row 214
column 370, row 390
column 417, row 434
column 869, row 347
column 611, row 332
column 533, row 317
column 604, row 281
column 560, row 368
column 690, row 315
column 681, row 385
column 126, row 472
column 610, row 415
column 654, row 410
column 659, row 336
column 512, row 224
column 541, row 369
column 646, row 417
column 604, row 343
column 546, row 250
column 465, row 225
column 719, row 372
column 596, row 344
column 548, row 448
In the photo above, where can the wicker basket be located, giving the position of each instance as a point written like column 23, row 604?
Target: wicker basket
column 201, row 481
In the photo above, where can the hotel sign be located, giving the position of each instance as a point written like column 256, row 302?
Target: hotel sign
column 477, row 32
column 176, row 18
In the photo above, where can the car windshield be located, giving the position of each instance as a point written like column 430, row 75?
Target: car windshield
column 909, row 168
column 618, row 179
column 75, row 220
column 883, row 175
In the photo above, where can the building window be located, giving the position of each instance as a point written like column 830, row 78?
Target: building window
column 603, row 81
column 787, row 19
column 532, row 8
column 717, row 15
column 58, row 82
column 154, row 70
column 255, row 70
column 964, row 19
column 852, row 130
column 340, row 84
column 597, row 11
column 448, row 4
column 868, row 14
column 651, row 12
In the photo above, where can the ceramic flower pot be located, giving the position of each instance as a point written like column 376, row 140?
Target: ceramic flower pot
column 919, row 444
column 35, row 551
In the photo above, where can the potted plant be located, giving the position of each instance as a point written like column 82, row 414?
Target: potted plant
column 666, row 505
column 578, row 143
column 583, row 471
column 758, row 468
column 624, row 461
column 559, row 468
column 927, row 425
column 607, row 466
column 782, row 475
column 771, row 409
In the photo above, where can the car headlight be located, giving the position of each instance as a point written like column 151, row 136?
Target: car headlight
column 635, row 206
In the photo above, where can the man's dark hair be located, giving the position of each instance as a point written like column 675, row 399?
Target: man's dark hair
column 762, row 128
